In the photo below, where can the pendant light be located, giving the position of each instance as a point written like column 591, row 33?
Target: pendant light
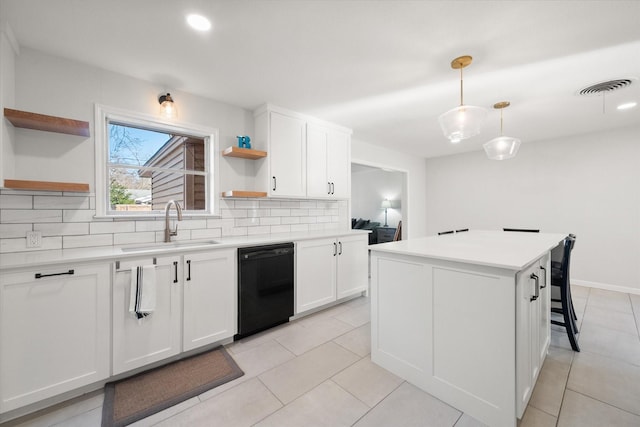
column 502, row 147
column 463, row 121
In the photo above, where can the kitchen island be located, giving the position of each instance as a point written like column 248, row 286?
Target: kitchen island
column 465, row 317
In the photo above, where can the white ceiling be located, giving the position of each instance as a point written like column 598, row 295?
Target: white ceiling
column 381, row 68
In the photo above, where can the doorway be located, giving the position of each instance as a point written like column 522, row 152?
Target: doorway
column 378, row 195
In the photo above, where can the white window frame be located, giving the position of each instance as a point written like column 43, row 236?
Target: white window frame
column 105, row 114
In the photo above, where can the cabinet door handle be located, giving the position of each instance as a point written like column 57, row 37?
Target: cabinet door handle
column 537, row 294
column 328, row 188
column 545, row 277
column 175, row 271
column 188, row 270
column 335, row 249
column 40, row 275
column 275, row 183
column 333, row 188
column 340, row 251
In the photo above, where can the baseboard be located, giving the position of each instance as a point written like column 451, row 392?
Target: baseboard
column 606, row 286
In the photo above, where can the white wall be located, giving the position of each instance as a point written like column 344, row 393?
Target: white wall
column 51, row 85
column 587, row 185
column 7, row 97
column 55, row 86
column 414, row 207
column 369, row 188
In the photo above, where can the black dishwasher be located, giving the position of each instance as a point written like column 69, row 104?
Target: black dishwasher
column 265, row 287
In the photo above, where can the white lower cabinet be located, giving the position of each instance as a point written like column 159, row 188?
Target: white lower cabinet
column 139, row 342
column 195, row 306
column 210, row 307
column 330, row 269
column 54, row 331
column 533, row 328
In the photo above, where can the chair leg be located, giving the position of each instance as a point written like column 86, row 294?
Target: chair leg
column 567, row 314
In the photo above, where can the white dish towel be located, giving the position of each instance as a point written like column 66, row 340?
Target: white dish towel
column 142, row 299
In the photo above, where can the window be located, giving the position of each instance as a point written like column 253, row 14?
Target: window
column 142, row 163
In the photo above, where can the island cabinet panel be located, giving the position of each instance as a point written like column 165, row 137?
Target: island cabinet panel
column 451, row 328
column 54, row 331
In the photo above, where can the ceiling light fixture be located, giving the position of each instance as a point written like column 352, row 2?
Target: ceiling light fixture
column 627, row 105
column 167, row 106
column 502, row 147
column 463, row 121
column 198, row 22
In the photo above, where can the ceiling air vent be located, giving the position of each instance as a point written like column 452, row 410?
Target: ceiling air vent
column 604, row 87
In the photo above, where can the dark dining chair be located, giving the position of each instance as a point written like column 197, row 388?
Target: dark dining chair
column 522, row 230
column 445, row 232
column 560, row 279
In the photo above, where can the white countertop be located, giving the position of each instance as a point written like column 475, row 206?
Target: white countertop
column 509, row 250
column 59, row 256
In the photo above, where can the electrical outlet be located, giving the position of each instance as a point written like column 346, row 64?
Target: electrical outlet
column 34, row 239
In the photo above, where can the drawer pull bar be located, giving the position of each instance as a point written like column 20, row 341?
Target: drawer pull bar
column 40, row 275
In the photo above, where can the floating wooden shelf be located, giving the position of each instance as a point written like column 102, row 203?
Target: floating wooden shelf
column 244, row 153
column 242, row 193
column 17, row 184
column 27, row 120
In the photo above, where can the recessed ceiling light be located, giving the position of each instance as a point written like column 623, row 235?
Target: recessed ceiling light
column 627, row 105
column 199, row 22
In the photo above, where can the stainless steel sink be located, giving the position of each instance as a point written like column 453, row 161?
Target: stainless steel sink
column 170, row 245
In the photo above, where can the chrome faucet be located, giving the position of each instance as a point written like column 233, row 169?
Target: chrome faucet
column 168, row 232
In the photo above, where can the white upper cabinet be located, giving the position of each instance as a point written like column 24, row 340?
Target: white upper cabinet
column 284, row 168
column 306, row 157
column 328, row 162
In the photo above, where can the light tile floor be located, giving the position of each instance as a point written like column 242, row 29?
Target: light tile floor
column 317, row 371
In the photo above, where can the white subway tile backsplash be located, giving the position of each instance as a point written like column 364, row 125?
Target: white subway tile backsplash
column 67, row 220
column 270, row 203
column 259, row 230
column 149, row 225
column 234, row 231
column 290, row 204
column 60, row 202
column 62, row 228
column 299, row 227
column 299, row 212
column 280, row 212
column 290, row 219
column 8, row 231
column 138, row 237
column 87, row 241
column 20, row 245
column 206, row 233
column 112, row 227
column 8, row 201
column 188, row 224
column 247, row 204
column 79, row 216
column 24, row 216
column 280, row 228
column 233, row 213
column 308, row 204
column 257, row 213
column 247, row 222
column 215, row 223
column 271, row 220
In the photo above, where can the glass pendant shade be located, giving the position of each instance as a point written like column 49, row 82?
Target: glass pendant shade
column 462, row 122
column 168, row 107
column 502, row 148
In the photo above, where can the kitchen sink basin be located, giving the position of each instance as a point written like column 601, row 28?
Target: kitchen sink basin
column 169, row 245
